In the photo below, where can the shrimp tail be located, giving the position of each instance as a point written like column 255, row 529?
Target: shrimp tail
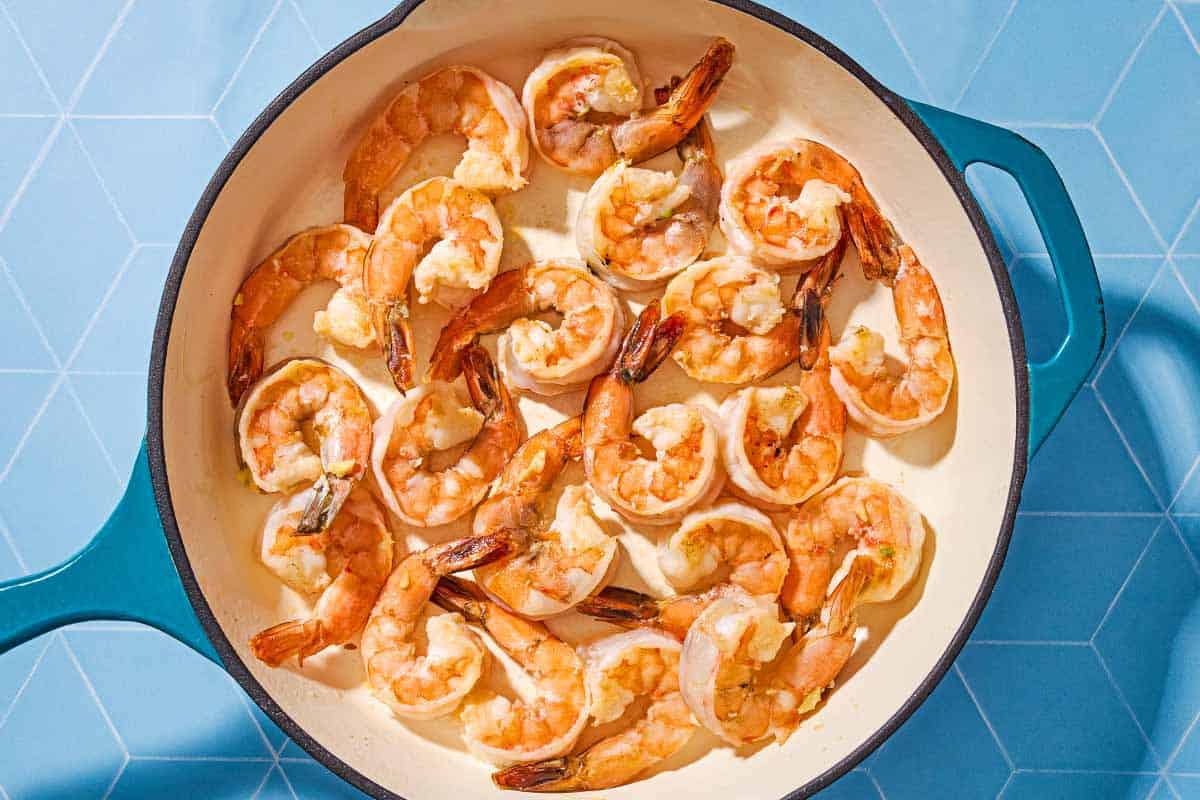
column 551, row 775
column 471, row 552
column 328, row 495
column 483, row 382
column 398, row 347
column 502, row 302
column 297, row 637
column 809, row 303
column 647, row 344
column 698, row 144
column 455, row 594
column 876, row 241
column 623, row 607
column 245, row 361
column 845, row 597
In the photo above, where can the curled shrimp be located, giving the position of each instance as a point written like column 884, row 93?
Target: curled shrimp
column 733, row 677
column 871, row 520
column 620, row 668
column 345, row 566
column 333, row 253
column 584, row 104
column 785, row 202
column 561, row 562
column 638, row 227
column 466, row 238
column 433, row 418
column 413, row 685
column 505, row 731
column 456, row 99
column 685, row 471
column 533, row 355
column 885, row 404
column 271, row 423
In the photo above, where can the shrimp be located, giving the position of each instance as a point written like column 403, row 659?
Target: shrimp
column 335, row 253
column 786, row 202
column 275, row 414
column 456, row 99
column 730, row 541
column 562, row 562
column 685, row 471
column 872, row 518
column 431, row 685
column 884, row 404
column 620, row 668
column 435, row 417
column 345, row 565
column 638, row 227
column 505, row 731
column 726, row 674
column 466, row 239
column 584, row 104
column 534, row 356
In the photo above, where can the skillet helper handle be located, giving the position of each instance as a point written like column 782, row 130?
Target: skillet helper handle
column 1054, row 382
column 125, row 572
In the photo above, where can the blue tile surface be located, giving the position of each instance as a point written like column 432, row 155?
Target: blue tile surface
column 1080, row 679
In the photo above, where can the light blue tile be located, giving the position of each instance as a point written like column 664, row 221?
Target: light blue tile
column 1085, row 447
column 1123, row 283
column 46, row 531
column 21, row 90
column 153, row 717
column 292, row 750
column 64, row 269
column 1151, row 641
column 64, row 35
column 1078, row 786
column 1188, row 758
column 155, row 169
column 335, row 20
column 24, row 394
column 190, row 780
column 56, row 709
column 1186, row 786
column 275, row 737
column 1190, row 11
column 851, row 786
column 116, row 407
column 1189, row 526
column 946, row 40
column 311, row 781
column 9, row 568
column 1083, row 558
column 1042, row 316
column 1153, row 123
column 122, row 334
column 23, row 138
column 285, row 50
column 1152, row 384
column 173, row 58
column 15, row 668
column 980, row 177
column 1053, row 707
column 1038, row 71
column 26, row 348
column 856, row 27
column 276, row 787
column 947, row 728
column 1190, row 243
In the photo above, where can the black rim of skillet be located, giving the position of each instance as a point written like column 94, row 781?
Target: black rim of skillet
column 158, row 467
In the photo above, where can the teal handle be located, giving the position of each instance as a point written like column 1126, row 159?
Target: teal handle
column 1054, row 382
column 124, row 573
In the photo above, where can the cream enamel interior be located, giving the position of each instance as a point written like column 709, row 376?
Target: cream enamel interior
column 957, row 471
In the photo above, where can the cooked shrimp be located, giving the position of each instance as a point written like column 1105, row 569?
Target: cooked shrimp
column 731, row 537
column 533, row 355
column 436, row 417
column 561, row 562
column 584, row 104
column 345, row 566
column 466, row 238
column 685, row 471
column 785, row 202
column 738, row 328
column 886, row 404
column 432, row 685
column 638, row 227
column 726, row 672
column 631, row 609
column 620, row 668
column 865, row 516
column 331, row 253
column 505, row 731
column 296, row 395
column 457, row 99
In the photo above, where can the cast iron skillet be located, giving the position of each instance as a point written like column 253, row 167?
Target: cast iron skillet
column 127, row 573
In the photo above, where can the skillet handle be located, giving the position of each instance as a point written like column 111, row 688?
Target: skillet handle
column 124, row 573
column 1052, row 383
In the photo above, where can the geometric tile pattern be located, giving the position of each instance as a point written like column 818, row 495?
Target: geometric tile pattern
column 1080, row 679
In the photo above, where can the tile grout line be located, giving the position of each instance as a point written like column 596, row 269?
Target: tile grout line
column 1121, row 589
column 21, row 689
column 37, row 67
column 1011, row 774
column 87, row 682
column 116, row 778
column 1128, row 65
column 887, row 21
column 1137, row 723
column 207, row 759
column 1102, row 367
column 288, row 782
column 1166, row 779
column 23, row 302
column 987, row 51
column 1183, row 230
column 874, row 782
column 1183, row 542
column 237, row 71
column 112, row 201
column 1137, row 200
column 37, row 416
column 304, row 24
column 100, row 307
column 1187, row 476
column 262, row 783
column 127, row 117
column 987, row 722
column 1183, row 23
column 31, row 172
column 87, row 421
column 1128, row 447
column 1182, row 741
column 102, row 51
column 10, row 540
